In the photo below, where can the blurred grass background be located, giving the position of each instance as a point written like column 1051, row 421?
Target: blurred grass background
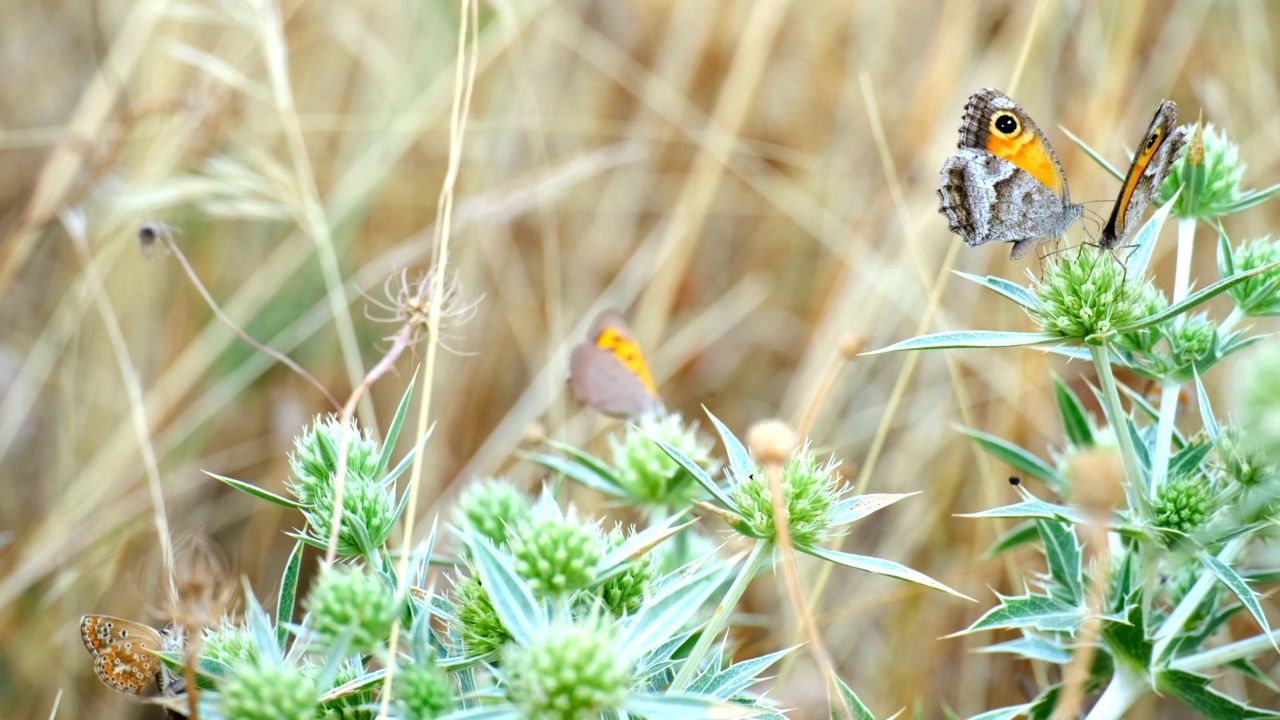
column 711, row 167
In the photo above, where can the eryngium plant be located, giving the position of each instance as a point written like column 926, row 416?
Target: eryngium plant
column 334, row 464
column 542, row 616
column 1139, row 581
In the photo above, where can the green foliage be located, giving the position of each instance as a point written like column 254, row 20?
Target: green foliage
column 1183, row 504
column 423, row 691
column 1086, row 296
column 351, row 606
column 556, row 554
column 268, row 691
column 315, row 457
column 808, row 492
column 625, row 592
column 229, row 644
column 1209, row 177
column 491, row 506
column 569, row 671
column 642, row 472
column 560, row 619
column 476, row 621
column 1258, row 296
column 646, row 473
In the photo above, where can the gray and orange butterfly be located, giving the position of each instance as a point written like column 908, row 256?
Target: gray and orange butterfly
column 608, row 372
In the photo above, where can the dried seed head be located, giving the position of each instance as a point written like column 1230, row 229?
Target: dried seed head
column 414, row 303
column 206, row 590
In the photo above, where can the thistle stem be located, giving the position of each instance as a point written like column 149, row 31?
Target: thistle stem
column 720, row 618
column 1164, row 434
column 1182, row 270
column 1126, row 686
column 1169, row 390
column 1116, row 415
column 1230, row 323
column 1178, row 618
column 1214, row 657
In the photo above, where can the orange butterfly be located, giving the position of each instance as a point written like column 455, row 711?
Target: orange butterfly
column 608, row 372
column 123, row 652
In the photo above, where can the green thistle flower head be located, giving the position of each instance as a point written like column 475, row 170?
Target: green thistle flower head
column 422, row 691
column 572, row 672
column 490, row 506
column 1184, row 503
column 355, row 706
column 1193, row 344
column 229, row 644
column 1087, row 295
column 1149, row 300
column 1258, row 296
column 556, row 554
column 315, row 457
column 1247, row 468
column 624, row 593
column 265, row 691
column 476, row 620
column 1209, row 173
column 808, row 489
column 647, row 473
column 370, row 514
column 350, row 603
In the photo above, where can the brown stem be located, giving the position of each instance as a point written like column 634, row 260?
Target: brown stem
column 167, row 236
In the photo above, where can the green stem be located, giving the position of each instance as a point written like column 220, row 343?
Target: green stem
column 1164, row 434
column 720, row 618
column 1187, row 606
column 1169, row 390
column 1215, row 657
column 1182, row 270
column 1116, row 416
column 1126, row 686
column 1229, row 324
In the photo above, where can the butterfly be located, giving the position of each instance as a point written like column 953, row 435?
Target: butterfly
column 609, row 373
column 1150, row 166
column 123, row 652
column 1005, row 184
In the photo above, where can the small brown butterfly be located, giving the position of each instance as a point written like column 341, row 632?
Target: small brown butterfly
column 608, row 371
column 123, row 652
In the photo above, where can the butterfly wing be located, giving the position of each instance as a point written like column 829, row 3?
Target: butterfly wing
column 609, row 373
column 989, row 199
column 122, row 650
column 995, row 123
column 1005, row 184
column 1151, row 165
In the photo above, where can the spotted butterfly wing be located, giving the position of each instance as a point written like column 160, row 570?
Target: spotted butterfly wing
column 123, row 651
column 608, row 372
column 1005, row 183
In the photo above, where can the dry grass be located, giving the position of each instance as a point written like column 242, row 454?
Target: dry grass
column 712, row 167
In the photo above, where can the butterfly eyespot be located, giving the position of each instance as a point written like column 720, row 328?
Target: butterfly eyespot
column 1152, row 139
column 1005, row 123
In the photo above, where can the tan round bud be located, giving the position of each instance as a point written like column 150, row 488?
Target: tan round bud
column 771, row 441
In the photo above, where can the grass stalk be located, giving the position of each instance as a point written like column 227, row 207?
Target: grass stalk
column 464, row 85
